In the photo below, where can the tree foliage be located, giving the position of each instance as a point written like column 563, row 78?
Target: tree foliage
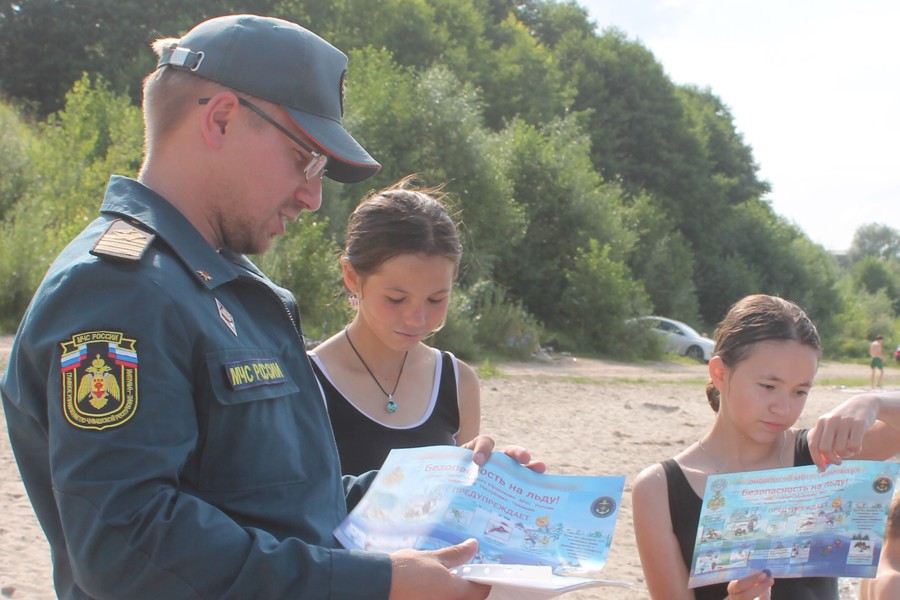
column 601, row 295
column 305, row 261
column 69, row 160
column 15, row 136
column 662, row 258
column 46, row 45
column 589, row 186
column 565, row 207
column 875, row 240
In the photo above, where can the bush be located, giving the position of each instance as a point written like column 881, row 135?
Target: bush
column 69, row 163
column 482, row 320
column 22, row 247
column 14, row 159
column 503, row 326
column 458, row 333
column 306, row 261
column 25, row 255
column 642, row 342
column 600, row 296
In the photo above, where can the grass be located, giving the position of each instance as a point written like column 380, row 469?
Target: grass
column 488, row 371
column 853, row 382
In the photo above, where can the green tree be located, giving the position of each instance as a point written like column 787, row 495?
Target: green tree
column 760, row 251
column 878, row 309
column 600, row 295
column 98, row 133
column 551, row 21
column 430, row 123
column 24, row 257
column 72, row 156
column 305, row 261
column 408, row 29
column 871, row 274
column 378, row 109
column 45, row 45
column 525, row 80
column 816, row 287
column 15, row 137
column 22, row 233
column 663, row 260
column 876, row 240
column 639, row 136
column 729, row 159
column 565, row 205
column 457, row 148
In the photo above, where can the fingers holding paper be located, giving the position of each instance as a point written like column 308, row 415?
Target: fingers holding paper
column 413, row 571
column 863, row 427
column 753, row 587
column 482, row 447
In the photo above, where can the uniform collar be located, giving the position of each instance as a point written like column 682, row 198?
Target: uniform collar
column 139, row 204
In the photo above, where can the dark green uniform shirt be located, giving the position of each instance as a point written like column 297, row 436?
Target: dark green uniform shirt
column 168, row 426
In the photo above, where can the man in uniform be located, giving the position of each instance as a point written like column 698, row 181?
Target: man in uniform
column 160, row 403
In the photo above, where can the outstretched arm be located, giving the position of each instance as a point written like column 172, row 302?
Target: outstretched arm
column 863, row 427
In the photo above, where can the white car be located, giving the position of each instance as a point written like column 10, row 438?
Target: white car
column 681, row 338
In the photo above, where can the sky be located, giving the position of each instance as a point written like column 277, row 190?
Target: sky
column 813, row 87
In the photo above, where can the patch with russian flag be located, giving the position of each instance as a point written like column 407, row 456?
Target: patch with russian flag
column 99, row 379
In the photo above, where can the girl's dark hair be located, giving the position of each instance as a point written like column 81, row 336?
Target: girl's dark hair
column 401, row 219
column 759, row 318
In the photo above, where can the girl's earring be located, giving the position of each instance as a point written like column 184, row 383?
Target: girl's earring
column 354, row 301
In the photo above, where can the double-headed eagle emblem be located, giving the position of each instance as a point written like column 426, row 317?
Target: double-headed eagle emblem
column 98, row 384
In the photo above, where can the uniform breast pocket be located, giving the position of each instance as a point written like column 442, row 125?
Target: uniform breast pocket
column 250, row 429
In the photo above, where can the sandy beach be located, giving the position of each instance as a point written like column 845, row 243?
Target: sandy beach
column 582, row 417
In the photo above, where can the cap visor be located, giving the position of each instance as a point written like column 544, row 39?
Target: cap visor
column 348, row 162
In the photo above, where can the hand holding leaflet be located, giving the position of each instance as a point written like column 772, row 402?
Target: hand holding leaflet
column 795, row 522
column 426, row 498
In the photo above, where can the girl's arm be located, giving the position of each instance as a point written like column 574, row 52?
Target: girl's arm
column 863, row 427
column 469, row 404
column 660, row 554
column 470, row 421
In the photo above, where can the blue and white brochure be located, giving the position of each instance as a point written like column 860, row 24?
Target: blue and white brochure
column 795, row 522
column 432, row 497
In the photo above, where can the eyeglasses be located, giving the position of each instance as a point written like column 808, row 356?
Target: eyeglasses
column 316, row 166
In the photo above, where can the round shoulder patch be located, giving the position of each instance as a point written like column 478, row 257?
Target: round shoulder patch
column 99, row 379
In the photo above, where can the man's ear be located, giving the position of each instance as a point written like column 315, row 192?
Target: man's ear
column 217, row 116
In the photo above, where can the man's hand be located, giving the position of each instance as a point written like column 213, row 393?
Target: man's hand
column 483, row 445
column 417, row 575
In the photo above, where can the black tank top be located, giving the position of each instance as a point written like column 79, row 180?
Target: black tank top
column 363, row 444
column 686, row 504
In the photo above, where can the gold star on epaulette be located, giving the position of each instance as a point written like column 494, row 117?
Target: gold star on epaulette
column 123, row 241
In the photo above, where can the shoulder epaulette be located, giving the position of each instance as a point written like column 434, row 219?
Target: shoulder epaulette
column 123, row 241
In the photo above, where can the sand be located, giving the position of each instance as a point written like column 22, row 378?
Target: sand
column 582, row 417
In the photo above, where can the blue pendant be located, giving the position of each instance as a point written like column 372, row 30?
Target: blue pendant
column 391, row 406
